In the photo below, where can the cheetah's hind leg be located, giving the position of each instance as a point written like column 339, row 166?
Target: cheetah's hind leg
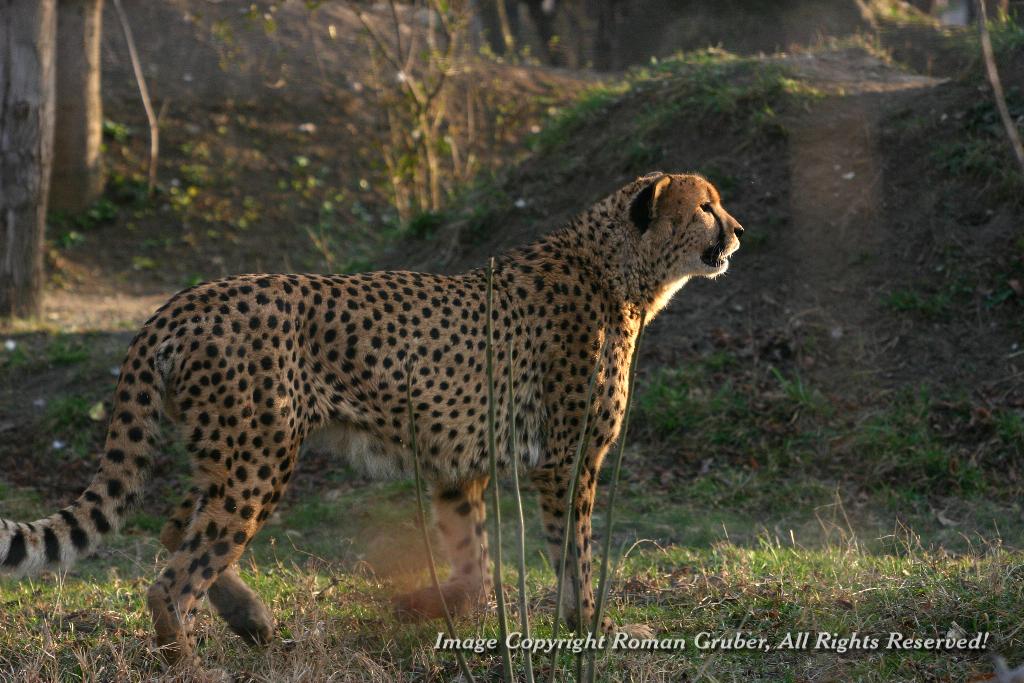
column 236, row 603
column 460, row 514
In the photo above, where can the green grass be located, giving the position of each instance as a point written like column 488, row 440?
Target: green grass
column 980, row 150
column 933, row 306
column 75, row 421
column 1007, row 37
column 806, row 518
column 12, row 359
column 66, row 350
column 710, row 86
column 334, row 614
column 983, row 153
column 902, row 447
column 590, row 105
column 921, row 441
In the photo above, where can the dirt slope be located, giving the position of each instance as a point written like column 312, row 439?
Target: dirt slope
column 866, row 267
column 838, row 230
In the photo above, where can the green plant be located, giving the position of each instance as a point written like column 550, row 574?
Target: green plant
column 101, row 211
column 979, row 149
column 425, row 224
column 800, row 394
column 118, row 132
column 1010, row 430
column 70, row 238
column 710, row 86
column 65, row 350
column 935, row 306
column 143, row 263
column 196, row 174
column 587, row 107
column 75, row 420
column 130, row 190
column 14, row 357
column 492, row 456
column 904, row 449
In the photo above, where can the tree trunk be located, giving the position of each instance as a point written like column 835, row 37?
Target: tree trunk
column 28, row 29
column 77, row 179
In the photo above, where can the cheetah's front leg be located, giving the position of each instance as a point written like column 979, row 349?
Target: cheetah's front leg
column 459, row 513
column 553, row 487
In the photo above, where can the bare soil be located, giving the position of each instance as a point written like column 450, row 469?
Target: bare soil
column 838, row 218
column 841, row 212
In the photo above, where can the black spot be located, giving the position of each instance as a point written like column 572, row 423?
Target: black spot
column 100, row 520
column 16, row 553
column 52, row 546
column 79, row 538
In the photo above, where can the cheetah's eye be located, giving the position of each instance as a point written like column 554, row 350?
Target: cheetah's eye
column 706, row 207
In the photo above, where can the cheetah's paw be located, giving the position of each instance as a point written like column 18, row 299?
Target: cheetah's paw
column 640, row 631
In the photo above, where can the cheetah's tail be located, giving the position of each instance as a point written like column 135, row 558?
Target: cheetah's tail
column 74, row 532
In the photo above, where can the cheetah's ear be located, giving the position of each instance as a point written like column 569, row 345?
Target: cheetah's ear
column 644, row 208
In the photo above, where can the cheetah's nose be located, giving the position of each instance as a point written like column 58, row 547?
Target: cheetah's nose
column 737, row 230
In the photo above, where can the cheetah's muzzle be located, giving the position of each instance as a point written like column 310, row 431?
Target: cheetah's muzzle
column 713, row 255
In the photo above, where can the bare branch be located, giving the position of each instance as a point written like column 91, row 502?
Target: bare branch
column 154, row 123
column 997, row 86
column 383, row 49
column 398, row 30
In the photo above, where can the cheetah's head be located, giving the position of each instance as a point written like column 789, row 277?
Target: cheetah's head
column 684, row 229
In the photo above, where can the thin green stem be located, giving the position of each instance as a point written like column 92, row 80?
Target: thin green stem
column 524, row 612
column 492, row 455
column 602, row 590
column 569, row 526
column 422, row 518
column 579, row 604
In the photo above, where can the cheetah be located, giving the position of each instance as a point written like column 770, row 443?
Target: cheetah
column 252, row 367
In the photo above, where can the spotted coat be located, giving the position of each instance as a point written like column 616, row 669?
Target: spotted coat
column 253, row 367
